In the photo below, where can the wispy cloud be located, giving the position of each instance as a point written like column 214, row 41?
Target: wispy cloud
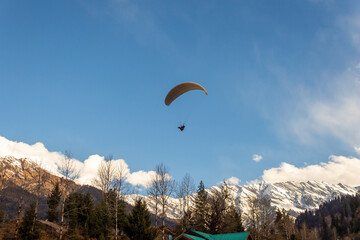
column 350, row 24
column 333, row 108
column 357, row 150
column 132, row 19
column 335, row 112
column 51, row 161
column 257, row 157
column 338, row 169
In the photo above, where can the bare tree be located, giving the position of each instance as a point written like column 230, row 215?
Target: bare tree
column 260, row 217
column 285, row 225
column 189, row 187
column 38, row 179
column 265, row 219
column 111, row 177
column 68, row 168
column 70, row 173
column 183, row 192
column 121, row 188
column 39, row 183
column 166, row 186
column 23, row 173
column 180, row 195
column 219, row 201
column 153, row 191
column 105, row 176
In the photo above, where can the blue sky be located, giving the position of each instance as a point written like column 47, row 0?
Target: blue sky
column 91, row 77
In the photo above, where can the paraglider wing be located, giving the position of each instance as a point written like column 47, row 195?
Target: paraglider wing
column 181, row 89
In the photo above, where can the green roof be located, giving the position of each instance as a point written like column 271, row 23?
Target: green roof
column 193, row 237
column 231, row 236
column 227, row 236
column 205, row 235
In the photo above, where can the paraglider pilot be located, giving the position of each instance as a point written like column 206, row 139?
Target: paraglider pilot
column 181, row 127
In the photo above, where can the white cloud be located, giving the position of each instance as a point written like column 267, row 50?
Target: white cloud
column 36, row 152
column 257, row 158
column 339, row 169
column 141, row 178
column 88, row 169
column 333, row 111
column 51, row 161
column 233, row 181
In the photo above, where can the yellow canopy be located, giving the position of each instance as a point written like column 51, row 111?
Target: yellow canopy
column 181, row 89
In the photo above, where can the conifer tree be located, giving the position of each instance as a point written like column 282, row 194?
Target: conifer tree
column 29, row 228
column 122, row 218
column 53, row 203
column 138, row 226
column 100, row 221
column 87, row 209
column 79, row 209
column 200, row 209
column 71, row 210
column 238, row 225
column 233, row 221
column 185, row 224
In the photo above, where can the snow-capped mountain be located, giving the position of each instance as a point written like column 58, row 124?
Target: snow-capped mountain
column 294, row 197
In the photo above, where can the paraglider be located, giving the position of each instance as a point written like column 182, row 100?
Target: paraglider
column 179, row 90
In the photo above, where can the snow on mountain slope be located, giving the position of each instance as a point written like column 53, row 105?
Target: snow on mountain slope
column 294, row 197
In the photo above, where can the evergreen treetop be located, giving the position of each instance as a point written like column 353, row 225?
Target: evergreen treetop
column 138, row 226
column 29, row 228
column 53, row 202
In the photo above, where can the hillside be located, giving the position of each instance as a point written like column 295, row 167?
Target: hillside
column 336, row 219
column 19, row 186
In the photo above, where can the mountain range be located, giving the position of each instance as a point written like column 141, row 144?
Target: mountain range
column 294, row 197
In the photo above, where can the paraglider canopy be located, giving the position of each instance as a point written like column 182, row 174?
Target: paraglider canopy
column 181, row 89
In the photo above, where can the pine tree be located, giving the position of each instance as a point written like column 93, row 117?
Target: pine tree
column 233, row 221
column 100, row 224
column 53, row 203
column 86, row 210
column 200, row 209
column 122, row 218
column 185, row 223
column 29, row 228
column 71, row 210
column 79, row 211
column 138, row 226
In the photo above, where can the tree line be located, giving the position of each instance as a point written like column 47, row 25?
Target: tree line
column 214, row 210
column 336, row 219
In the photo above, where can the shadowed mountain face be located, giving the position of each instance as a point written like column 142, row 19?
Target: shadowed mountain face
column 22, row 182
column 14, row 198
